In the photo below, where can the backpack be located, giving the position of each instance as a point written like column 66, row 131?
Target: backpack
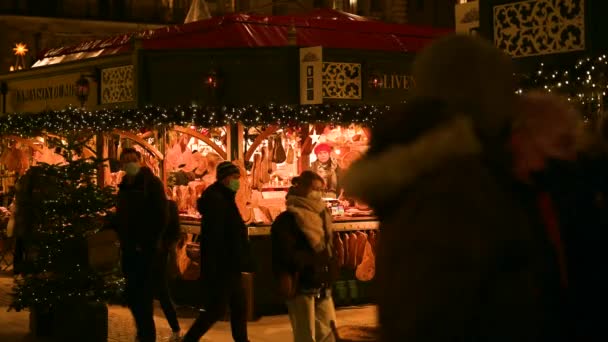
column 173, row 231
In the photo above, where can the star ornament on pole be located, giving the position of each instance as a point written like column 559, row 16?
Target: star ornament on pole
column 20, row 49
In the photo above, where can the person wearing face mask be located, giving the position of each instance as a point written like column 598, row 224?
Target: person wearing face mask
column 224, row 255
column 141, row 221
column 328, row 169
column 302, row 259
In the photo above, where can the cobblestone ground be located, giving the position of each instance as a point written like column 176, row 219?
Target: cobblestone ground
column 14, row 325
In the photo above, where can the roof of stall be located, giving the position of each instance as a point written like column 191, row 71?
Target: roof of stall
column 325, row 27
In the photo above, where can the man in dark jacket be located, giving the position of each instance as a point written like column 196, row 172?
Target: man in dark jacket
column 142, row 218
column 224, row 255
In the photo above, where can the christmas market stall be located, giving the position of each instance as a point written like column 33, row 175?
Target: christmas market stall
column 276, row 95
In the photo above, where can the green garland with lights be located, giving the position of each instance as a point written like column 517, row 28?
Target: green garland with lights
column 58, row 207
column 103, row 120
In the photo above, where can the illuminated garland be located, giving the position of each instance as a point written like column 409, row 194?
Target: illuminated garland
column 103, row 120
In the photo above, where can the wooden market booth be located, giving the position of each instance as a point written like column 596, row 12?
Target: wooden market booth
column 262, row 91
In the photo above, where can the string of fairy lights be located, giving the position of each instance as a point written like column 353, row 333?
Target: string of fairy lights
column 585, row 82
column 150, row 117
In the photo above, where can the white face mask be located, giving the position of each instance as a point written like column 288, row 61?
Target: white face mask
column 315, row 195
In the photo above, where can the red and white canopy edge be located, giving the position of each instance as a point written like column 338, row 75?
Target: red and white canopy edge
column 322, row 27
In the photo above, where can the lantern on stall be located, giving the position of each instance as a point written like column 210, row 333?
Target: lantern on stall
column 212, row 80
column 82, row 90
column 375, row 82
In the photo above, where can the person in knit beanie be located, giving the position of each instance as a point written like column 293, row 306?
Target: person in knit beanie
column 464, row 256
column 225, row 254
column 226, row 169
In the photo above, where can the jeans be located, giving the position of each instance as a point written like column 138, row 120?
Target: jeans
column 310, row 317
column 163, row 293
column 224, row 293
column 138, row 271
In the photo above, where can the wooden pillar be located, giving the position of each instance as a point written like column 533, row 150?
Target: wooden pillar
column 162, row 147
column 234, row 150
column 101, row 152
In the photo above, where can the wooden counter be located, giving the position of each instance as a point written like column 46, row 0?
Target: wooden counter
column 192, row 226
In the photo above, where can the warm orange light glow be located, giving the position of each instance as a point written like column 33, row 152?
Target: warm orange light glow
column 12, row 68
column 20, row 49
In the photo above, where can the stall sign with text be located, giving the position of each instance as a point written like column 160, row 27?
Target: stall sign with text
column 311, row 75
column 39, row 94
column 396, row 81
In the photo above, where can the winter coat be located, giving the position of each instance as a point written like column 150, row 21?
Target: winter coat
column 224, row 239
column 141, row 213
column 331, row 174
column 463, row 255
column 293, row 254
column 580, row 193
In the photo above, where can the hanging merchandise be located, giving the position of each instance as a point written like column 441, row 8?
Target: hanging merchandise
column 290, row 155
column 279, row 151
column 266, row 165
column 367, row 269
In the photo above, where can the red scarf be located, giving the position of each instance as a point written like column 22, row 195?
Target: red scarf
column 551, row 224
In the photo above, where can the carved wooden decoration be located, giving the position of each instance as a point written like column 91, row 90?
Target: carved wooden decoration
column 135, row 138
column 540, row 27
column 342, row 81
column 117, row 85
column 202, row 138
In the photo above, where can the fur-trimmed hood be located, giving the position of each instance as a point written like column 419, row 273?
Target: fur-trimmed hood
column 380, row 177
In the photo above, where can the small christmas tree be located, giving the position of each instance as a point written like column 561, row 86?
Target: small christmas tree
column 58, row 208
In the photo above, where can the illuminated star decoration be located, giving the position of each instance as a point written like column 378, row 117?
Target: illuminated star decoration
column 314, row 137
column 20, row 49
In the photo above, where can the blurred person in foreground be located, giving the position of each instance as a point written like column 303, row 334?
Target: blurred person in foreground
column 571, row 181
column 224, row 255
column 302, row 259
column 141, row 219
column 463, row 255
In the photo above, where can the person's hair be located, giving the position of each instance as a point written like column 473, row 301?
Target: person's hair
column 130, row 150
column 539, row 111
column 306, row 178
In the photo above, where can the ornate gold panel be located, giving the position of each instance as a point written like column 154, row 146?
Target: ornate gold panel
column 117, row 84
column 342, row 81
column 540, row 27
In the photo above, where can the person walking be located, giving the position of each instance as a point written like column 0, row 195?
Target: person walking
column 464, row 255
column 303, row 262
column 224, row 256
column 142, row 218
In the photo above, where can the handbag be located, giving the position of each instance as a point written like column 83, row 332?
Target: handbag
column 288, row 285
column 189, row 268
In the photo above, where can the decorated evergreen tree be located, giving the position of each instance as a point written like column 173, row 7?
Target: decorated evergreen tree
column 59, row 207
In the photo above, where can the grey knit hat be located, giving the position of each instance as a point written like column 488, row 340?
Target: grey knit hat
column 225, row 169
column 470, row 75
